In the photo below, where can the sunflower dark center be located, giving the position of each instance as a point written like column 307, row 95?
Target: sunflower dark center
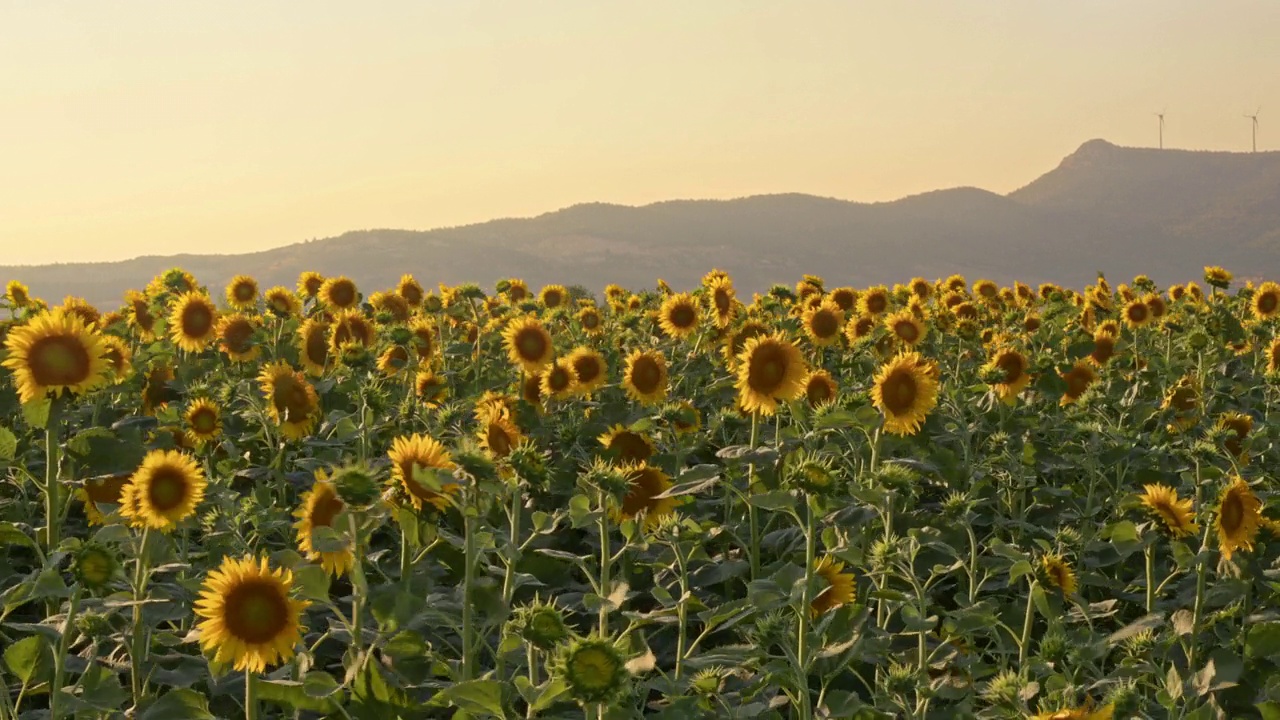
column 630, row 446
column 167, row 489
column 1267, row 302
column 59, row 360
column 256, row 612
column 588, row 369
column 906, row 330
column 531, row 344
column 1138, row 312
column 245, row 292
column 645, row 375
column 643, row 486
column 899, row 391
column 1077, row 382
column 683, row 316
column 237, row 335
column 1011, row 365
column 818, row 391
column 591, row 321
column 1103, row 349
column 1231, row 516
column 204, row 420
column 317, row 348
column 558, row 380
column 197, row 320
column 552, row 299
column 722, row 301
column 843, row 299
column 876, row 303
column 325, row 510
column 824, row 324
column 768, row 369
column 498, row 439
column 342, row 294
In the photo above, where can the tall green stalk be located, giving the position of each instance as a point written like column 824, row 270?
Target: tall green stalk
column 606, row 556
column 60, row 658
column 753, row 518
column 806, row 602
column 137, row 643
column 468, row 589
column 250, row 696
column 52, row 485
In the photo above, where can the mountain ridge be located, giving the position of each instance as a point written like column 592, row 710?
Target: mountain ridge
column 1165, row 213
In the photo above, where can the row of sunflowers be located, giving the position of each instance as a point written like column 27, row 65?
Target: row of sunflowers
column 939, row 499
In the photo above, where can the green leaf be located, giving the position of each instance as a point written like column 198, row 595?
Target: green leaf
column 550, row 693
column 313, row 581
column 8, row 445
column 314, row 693
column 326, row 539
column 1269, row 710
column 180, row 704
column 11, row 535
column 29, row 658
column 36, row 413
column 1020, row 568
column 477, row 696
column 1263, row 640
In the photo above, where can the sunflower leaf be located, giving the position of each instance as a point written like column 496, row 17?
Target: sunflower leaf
column 8, row 445
column 181, row 704
column 476, row 696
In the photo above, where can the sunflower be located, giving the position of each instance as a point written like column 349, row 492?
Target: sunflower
column 292, row 401
column 678, row 316
column 392, row 304
column 1078, row 380
column 1163, row 503
column 1265, row 303
column 104, row 489
column 685, row 418
column 1238, row 425
column 590, row 320
column 1156, row 305
column 986, row 289
column 845, row 298
column 644, row 484
column 250, row 619
column 164, row 491
column 837, row 586
column 409, row 289
column 498, row 434
column 590, row 368
column 235, row 337
column 1184, row 400
column 593, row 670
column 156, row 392
column 423, row 468
column 905, row 390
column 873, row 301
column 736, row 341
column 1218, row 276
column 820, row 388
column 859, row 329
column 1176, row 293
column 1010, row 366
column 906, row 327
column 553, row 296
column 242, row 292
column 560, row 380
column 770, row 370
column 1106, row 712
column 193, row 323
column 319, row 507
column 55, row 352
column 627, row 446
column 282, row 302
column 822, row 323
column 339, row 293
column 17, row 294
column 1059, row 572
column 720, row 295
column 517, row 290
column 1104, row 348
column 392, row 360
column 1137, row 314
column 312, row 342
column 528, row 343
column 350, row 326
column 119, row 357
column 531, row 389
column 204, row 421
column 430, row 388
column 1273, row 357
column 138, row 312
column 1239, row 518
column 82, row 309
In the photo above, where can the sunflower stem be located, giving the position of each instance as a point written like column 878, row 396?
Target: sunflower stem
column 605, row 559
column 137, row 649
column 60, row 659
column 468, row 589
column 806, row 604
column 752, row 516
column 406, row 569
column 52, row 487
column 1027, row 621
column 682, row 609
column 357, row 590
column 973, row 563
column 250, row 696
column 1151, row 572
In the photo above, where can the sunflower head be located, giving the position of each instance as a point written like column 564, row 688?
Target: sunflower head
column 204, row 421
column 626, row 446
column 541, row 624
column 1078, row 379
column 823, row 322
column 282, row 302
column 553, row 296
column 1177, row 516
column 594, row 671
column 905, row 390
column 242, row 292
column 319, row 507
column 1137, row 314
column 906, row 327
column 235, row 337
column 1217, row 276
column 249, row 618
column 837, row 586
column 498, row 434
column 292, row 402
column 409, row 289
column 164, row 491
column 590, row 321
column 339, row 293
column 645, row 484
column 95, row 566
column 590, row 368
column 1265, row 303
column 17, row 294
column 424, row 469
column 193, row 322
column 873, row 301
column 1239, row 518
column 679, row 315
column 820, row 388
column 1059, row 573
column 1008, row 368
column 1237, row 425
column 645, row 377
column 351, row 327
column 560, row 380
column 770, row 370
column 55, row 352
column 528, row 343
column 309, row 284
column 721, row 300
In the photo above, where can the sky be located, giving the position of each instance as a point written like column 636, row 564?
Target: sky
column 142, row 128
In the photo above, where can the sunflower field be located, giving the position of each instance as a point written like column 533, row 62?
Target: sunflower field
column 939, row 499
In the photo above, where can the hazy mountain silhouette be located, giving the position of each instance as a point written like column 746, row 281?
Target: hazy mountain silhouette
column 1166, row 213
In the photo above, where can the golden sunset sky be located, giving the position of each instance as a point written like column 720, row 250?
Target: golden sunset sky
column 135, row 128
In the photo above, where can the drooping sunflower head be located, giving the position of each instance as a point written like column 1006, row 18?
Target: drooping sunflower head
column 498, row 434
column 1078, row 380
column 837, row 586
column 553, row 296
column 164, row 491
column 430, row 388
column 1237, row 425
column 770, row 370
column 1239, row 518
column 102, row 490
column 1265, row 303
column 55, row 352
column 250, row 619
column 644, row 484
column 203, row 420
column 156, row 391
column 292, row 402
column 1009, row 367
column 823, row 322
column 1059, row 573
column 193, row 322
column 394, row 359
column 319, row 507
column 242, row 292
column 339, row 293
column 423, row 468
column 312, row 341
column 409, row 289
column 820, row 388
column 119, row 357
column 589, row 365
column 679, row 316
column 528, row 343
column 392, row 304
column 626, row 446
column 905, row 390
column 1176, row 515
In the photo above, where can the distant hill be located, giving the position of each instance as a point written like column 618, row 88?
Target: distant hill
column 1166, row 213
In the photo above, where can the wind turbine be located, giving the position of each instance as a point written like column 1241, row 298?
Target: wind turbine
column 1161, row 116
column 1254, row 118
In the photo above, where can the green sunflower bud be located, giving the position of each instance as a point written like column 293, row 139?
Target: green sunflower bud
column 95, row 566
column 594, row 670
